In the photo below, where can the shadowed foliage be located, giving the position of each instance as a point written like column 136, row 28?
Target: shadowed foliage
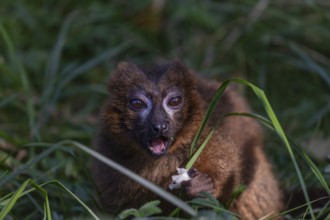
column 55, row 60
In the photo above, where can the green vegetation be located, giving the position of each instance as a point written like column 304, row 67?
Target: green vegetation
column 56, row 56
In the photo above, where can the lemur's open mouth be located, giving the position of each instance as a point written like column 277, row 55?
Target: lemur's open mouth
column 159, row 145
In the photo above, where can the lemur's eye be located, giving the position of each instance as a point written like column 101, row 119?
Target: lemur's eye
column 137, row 104
column 175, row 102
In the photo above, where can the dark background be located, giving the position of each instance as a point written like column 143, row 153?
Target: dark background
column 56, row 57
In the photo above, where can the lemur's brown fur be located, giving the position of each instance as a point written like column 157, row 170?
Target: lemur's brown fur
column 233, row 156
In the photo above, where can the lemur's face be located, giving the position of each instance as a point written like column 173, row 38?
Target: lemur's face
column 152, row 105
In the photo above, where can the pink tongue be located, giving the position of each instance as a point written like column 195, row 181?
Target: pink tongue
column 158, row 145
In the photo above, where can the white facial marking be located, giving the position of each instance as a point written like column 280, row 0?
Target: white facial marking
column 145, row 112
column 170, row 111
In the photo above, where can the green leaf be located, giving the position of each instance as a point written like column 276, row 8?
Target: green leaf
column 210, row 215
column 128, row 212
column 236, row 193
column 150, row 208
column 206, row 200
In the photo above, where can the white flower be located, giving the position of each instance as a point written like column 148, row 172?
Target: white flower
column 177, row 179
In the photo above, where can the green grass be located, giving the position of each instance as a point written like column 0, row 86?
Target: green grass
column 55, row 60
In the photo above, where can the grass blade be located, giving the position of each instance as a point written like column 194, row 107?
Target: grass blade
column 13, row 200
column 16, row 64
column 303, row 155
column 31, row 162
column 199, row 151
column 274, row 122
column 301, row 206
column 208, row 114
column 311, row 64
column 261, row 119
column 54, row 60
column 47, row 212
column 83, row 68
column 147, row 184
column 10, row 199
column 60, row 185
column 75, row 72
column 312, row 166
column 280, row 133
